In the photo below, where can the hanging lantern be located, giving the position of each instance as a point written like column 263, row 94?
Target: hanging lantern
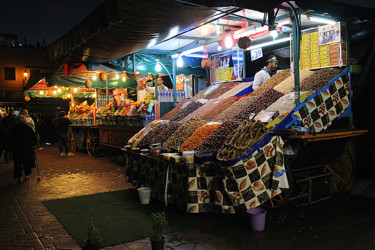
column 244, row 42
column 88, row 83
column 103, row 76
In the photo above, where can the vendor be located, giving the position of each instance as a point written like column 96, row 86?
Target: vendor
column 266, row 72
column 162, row 81
column 143, row 90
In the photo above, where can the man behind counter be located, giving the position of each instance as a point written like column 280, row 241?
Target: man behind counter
column 266, row 72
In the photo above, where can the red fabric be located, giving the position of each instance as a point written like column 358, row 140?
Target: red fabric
column 239, row 97
column 260, row 34
column 70, row 67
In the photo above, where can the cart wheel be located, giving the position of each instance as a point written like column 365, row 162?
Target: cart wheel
column 93, row 146
column 73, row 143
column 342, row 172
column 282, row 198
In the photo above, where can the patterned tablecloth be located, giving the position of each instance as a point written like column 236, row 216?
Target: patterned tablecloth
column 210, row 186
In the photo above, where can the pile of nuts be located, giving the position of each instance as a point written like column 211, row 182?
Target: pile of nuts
column 264, row 100
column 215, row 141
column 319, row 79
column 243, row 138
column 234, row 109
column 224, row 87
column 212, row 109
column 182, row 133
column 206, row 91
column 165, row 132
column 235, row 90
column 199, row 135
column 174, row 111
column 285, row 103
column 272, row 82
column 287, row 85
column 186, row 111
column 145, row 141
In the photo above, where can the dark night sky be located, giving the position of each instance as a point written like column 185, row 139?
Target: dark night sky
column 50, row 19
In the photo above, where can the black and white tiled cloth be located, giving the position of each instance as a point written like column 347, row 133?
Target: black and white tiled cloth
column 321, row 108
column 247, row 184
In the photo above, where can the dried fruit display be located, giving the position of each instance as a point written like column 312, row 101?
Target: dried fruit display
column 223, row 87
column 212, row 109
column 285, row 103
column 264, row 100
column 174, row 111
column 234, row 109
column 187, row 110
column 236, row 90
column 206, row 91
column 319, row 79
column 145, row 141
column 182, row 133
column 287, row 85
column 215, row 141
column 138, row 136
column 243, row 138
column 272, row 82
column 165, row 132
column 199, row 135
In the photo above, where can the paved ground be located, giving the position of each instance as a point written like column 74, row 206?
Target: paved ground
column 344, row 222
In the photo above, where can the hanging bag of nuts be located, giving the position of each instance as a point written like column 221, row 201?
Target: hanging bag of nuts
column 206, row 63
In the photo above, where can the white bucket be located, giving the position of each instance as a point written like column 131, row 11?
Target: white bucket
column 144, row 194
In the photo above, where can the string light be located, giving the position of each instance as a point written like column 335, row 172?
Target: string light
column 117, row 76
column 68, row 95
column 54, row 92
column 41, row 92
column 75, row 89
column 94, row 77
column 94, row 95
column 59, row 90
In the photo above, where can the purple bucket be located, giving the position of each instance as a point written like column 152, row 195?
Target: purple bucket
column 257, row 218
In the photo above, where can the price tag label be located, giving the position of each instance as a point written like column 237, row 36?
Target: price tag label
column 256, row 54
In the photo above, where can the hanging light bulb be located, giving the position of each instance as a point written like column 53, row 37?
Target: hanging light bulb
column 41, row 92
column 94, row 95
column 25, row 74
column 228, row 40
column 204, row 30
column 124, row 76
column 219, row 48
column 68, row 95
column 59, row 90
column 94, row 77
column 117, row 76
column 75, row 89
column 274, row 34
column 54, row 92
column 157, row 66
column 180, row 62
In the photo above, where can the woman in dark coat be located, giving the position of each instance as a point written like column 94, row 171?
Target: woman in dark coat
column 22, row 143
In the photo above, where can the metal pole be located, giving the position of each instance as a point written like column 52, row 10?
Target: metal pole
column 106, row 90
column 296, row 51
column 174, row 79
column 243, row 65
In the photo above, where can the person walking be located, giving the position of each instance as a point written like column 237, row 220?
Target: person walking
column 9, row 122
column 62, row 129
column 22, row 142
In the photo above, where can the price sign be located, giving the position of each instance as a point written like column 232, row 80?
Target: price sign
column 256, row 54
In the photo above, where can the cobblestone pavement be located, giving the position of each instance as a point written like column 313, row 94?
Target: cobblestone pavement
column 25, row 223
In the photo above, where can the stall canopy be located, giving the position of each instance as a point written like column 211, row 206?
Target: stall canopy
column 117, row 28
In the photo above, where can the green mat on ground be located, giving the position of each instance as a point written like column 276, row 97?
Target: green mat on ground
column 119, row 217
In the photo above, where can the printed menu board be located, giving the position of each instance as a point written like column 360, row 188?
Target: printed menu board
column 226, row 66
column 323, row 47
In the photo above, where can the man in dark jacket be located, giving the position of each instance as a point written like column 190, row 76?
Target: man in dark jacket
column 62, row 129
column 22, row 142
